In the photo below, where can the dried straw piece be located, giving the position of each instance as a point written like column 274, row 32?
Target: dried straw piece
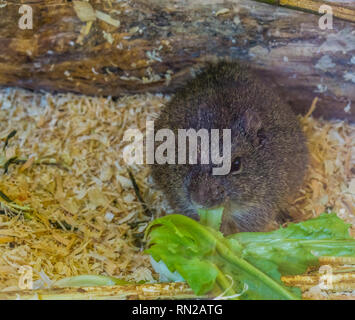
column 339, row 282
column 84, row 31
column 107, row 18
column 175, row 290
column 312, row 108
column 330, row 283
column 336, row 260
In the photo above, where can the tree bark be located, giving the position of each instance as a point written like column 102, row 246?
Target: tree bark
column 159, row 44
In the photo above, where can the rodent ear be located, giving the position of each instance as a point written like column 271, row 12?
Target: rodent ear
column 250, row 122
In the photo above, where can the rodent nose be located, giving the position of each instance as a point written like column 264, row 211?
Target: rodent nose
column 206, row 194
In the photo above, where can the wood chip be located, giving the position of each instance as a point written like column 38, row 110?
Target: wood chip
column 84, row 11
column 222, row 11
column 106, row 18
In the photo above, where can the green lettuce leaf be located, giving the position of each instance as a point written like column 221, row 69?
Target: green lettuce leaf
column 211, row 217
column 253, row 261
column 90, row 281
column 297, row 247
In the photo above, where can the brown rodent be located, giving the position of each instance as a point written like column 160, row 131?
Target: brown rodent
column 269, row 151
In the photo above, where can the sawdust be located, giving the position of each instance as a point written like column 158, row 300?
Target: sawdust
column 75, row 181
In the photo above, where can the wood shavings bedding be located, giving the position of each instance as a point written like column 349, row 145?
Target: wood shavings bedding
column 91, row 193
column 94, row 196
column 329, row 186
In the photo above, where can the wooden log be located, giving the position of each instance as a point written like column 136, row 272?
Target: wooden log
column 156, row 45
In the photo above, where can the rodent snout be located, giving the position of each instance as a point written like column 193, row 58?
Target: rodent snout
column 205, row 193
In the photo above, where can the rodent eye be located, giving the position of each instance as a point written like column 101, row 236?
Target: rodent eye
column 236, row 166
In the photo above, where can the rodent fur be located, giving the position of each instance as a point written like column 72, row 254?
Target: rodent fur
column 266, row 136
